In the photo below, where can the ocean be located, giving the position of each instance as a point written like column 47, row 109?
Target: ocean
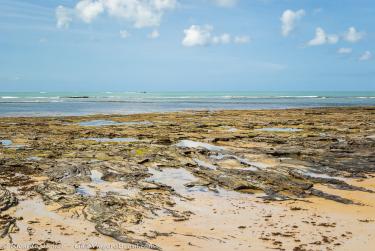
column 86, row 103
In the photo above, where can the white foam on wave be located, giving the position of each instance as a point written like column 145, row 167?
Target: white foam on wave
column 8, row 97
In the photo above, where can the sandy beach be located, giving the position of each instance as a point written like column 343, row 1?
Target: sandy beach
column 292, row 179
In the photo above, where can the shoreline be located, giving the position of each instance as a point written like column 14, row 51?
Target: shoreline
column 188, row 111
column 288, row 179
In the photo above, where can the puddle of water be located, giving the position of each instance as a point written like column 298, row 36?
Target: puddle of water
column 102, row 187
column 204, row 164
column 278, row 129
column 9, row 144
column 196, row 144
column 319, row 175
column 6, row 142
column 105, row 188
column 96, row 176
column 34, row 158
column 86, row 190
column 104, row 140
column 200, row 189
column 111, row 123
column 253, row 165
column 173, row 177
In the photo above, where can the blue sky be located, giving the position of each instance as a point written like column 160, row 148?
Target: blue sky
column 187, row 45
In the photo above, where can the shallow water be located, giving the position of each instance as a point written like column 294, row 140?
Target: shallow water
column 196, row 144
column 6, row 142
column 204, row 164
column 9, row 144
column 34, row 158
column 173, row 177
column 96, row 176
column 62, row 103
column 111, row 123
column 100, row 187
column 320, row 175
column 252, row 165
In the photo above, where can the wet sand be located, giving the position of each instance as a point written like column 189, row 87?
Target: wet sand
column 299, row 179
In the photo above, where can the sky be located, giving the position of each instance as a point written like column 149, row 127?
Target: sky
column 187, row 45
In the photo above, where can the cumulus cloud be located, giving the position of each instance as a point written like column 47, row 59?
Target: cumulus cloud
column 367, row 55
column 222, row 39
column 353, row 36
column 241, row 39
column 154, row 34
column 63, row 17
column 197, row 35
column 289, row 19
column 322, row 38
column 141, row 13
column 88, row 10
column 344, row 50
column 124, row 34
column 225, row 3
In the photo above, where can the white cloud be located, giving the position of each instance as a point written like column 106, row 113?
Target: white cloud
column 344, row 50
column 154, row 34
column 289, row 19
column 222, row 39
column 367, row 55
column 353, row 36
column 164, row 4
column 63, row 17
column 225, row 3
column 241, row 39
column 141, row 13
column 88, row 10
column 124, row 34
column 322, row 38
column 332, row 39
column 197, row 35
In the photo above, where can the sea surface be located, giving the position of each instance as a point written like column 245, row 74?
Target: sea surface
column 86, row 103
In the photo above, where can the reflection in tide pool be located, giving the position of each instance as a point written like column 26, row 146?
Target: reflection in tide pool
column 100, row 187
column 111, row 123
column 173, row 177
column 196, row 144
column 6, row 142
column 9, row 144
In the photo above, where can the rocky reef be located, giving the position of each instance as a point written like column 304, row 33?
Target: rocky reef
column 118, row 172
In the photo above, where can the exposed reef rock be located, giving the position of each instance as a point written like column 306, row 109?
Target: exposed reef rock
column 118, row 184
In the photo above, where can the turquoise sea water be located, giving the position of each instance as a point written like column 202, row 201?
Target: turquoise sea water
column 85, row 103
